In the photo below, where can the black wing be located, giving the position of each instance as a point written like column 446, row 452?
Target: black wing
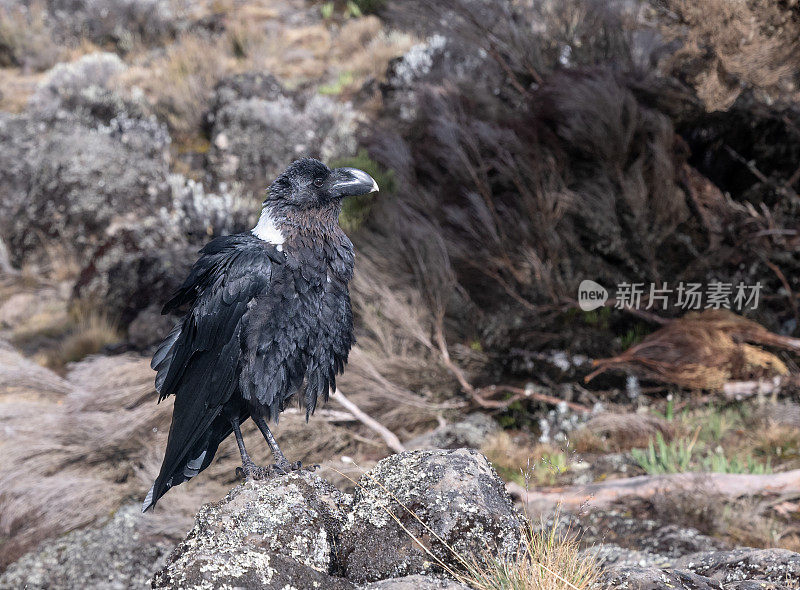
column 199, row 360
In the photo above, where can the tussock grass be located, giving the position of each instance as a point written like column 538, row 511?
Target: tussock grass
column 92, row 331
column 548, row 559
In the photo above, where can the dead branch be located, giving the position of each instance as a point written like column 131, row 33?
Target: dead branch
column 739, row 390
column 478, row 395
column 387, row 435
column 729, row 485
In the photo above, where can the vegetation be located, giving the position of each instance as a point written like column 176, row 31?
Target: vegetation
column 549, row 559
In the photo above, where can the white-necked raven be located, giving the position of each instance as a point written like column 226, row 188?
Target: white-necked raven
column 268, row 316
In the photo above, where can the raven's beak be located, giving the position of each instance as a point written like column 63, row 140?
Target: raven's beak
column 349, row 182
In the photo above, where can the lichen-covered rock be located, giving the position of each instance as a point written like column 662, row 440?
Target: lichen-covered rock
column 263, row 534
column 651, row 578
column 257, row 127
column 115, row 556
column 82, row 87
column 143, row 260
column 70, row 182
column 245, row 568
column 772, row 565
column 471, row 432
column 456, row 494
column 415, row 582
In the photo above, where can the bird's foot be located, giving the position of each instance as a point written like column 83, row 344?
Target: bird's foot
column 284, row 467
column 250, row 471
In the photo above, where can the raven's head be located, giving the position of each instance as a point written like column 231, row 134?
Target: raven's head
column 310, row 184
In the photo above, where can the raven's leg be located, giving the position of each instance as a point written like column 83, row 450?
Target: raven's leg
column 280, row 459
column 250, row 469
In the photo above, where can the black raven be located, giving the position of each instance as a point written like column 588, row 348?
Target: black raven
column 268, row 316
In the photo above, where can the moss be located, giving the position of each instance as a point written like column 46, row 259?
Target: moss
column 356, row 210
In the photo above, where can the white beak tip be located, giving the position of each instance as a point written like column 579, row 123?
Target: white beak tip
column 375, row 188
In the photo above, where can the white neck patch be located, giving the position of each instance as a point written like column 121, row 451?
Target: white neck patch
column 267, row 230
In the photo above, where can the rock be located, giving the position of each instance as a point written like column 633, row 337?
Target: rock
column 456, row 493
column 144, row 260
column 246, row 568
column 674, row 541
column 415, row 582
column 149, row 327
column 70, row 182
column 651, row 578
column 133, row 269
column 430, row 62
column 113, row 556
column 470, row 432
column 82, row 87
column 257, row 127
column 263, row 534
column 609, row 554
column 772, row 565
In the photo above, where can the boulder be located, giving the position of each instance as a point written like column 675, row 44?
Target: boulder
column 763, row 565
column 471, row 432
column 455, row 493
column 415, row 582
column 257, row 127
column 114, row 556
column 263, row 534
column 298, row 531
column 142, row 261
column 651, row 578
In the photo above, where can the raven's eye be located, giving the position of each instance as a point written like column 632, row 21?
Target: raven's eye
column 318, row 182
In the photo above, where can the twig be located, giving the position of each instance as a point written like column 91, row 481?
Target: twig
column 785, row 283
column 477, row 394
column 387, row 435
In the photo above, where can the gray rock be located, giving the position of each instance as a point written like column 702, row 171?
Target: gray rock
column 263, row 534
column 428, row 63
column 609, row 554
column 470, row 432
column 145, row 259
column 674, row 541
column 415, row 582
column 149, row 327
column 257, row 128
column 70, row 182
column 83, row 87
column 113, row 556
column 651, row 578
column 772, row 565
column 458, row 496
column 246, row 568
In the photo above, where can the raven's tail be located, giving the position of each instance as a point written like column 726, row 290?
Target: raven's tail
column 199, row 456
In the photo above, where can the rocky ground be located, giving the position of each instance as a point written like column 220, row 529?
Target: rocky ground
column 518, row 152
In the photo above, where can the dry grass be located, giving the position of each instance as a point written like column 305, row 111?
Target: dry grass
column 519, row 459
column 548, row 559
column 619, row 432
column 26, row 39
column 179, row 85
column 91, row 332
column 703, row 350
column 728, row 44
column 749, row 522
